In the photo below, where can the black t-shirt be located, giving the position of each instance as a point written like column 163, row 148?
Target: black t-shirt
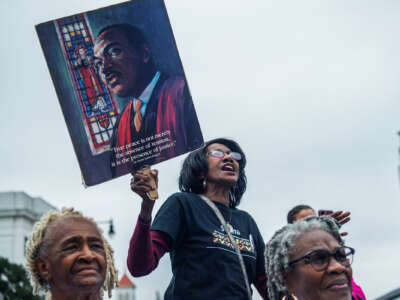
column 204, row 264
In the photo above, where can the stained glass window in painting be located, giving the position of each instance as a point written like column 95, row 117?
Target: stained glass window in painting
column 98, row 107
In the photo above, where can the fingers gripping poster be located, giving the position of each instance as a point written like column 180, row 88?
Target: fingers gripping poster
column 121, row 87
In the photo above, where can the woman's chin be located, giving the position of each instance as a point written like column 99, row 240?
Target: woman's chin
column 338, row 294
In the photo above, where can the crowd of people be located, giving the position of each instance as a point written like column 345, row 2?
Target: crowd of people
column 217, row 250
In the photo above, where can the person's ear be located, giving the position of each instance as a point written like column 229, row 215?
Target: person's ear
column 284, row 275
column 146, row 54
column 288, row 282
column 43, row 269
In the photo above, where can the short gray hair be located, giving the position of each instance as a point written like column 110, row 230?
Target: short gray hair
column 279, row 248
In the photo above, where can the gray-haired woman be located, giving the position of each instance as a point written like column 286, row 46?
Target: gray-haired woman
column 308, row 260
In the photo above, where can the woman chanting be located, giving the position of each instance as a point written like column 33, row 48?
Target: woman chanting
column 308, row 260
column 68, row 257
column 205, row 263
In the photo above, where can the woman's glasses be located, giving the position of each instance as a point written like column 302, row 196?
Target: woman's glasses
column 319, row 259
column 221, row 154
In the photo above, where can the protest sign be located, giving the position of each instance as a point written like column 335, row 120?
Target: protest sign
column 121, row 87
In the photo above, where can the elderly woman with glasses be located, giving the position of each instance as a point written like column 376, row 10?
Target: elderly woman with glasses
column 216, row 249
column 302, row 211
column 308, row 260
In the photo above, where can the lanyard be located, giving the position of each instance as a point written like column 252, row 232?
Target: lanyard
column 233, row 242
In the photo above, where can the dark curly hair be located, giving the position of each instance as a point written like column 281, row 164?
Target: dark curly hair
column 133, row 34
column 195, row 167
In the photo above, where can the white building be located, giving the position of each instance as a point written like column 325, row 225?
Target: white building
column 18, row 213
column 125, row 289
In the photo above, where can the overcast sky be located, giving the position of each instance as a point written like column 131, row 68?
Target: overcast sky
column 310, row 89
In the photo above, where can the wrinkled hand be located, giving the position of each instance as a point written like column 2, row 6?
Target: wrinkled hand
column 141, row 183
column 342, row 218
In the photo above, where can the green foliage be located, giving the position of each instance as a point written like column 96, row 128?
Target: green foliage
column 14, row 282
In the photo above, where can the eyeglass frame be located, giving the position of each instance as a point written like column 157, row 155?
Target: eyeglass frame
column 307, row 258
column 225, row 153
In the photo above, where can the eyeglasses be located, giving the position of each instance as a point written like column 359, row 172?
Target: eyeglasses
column 319, row 259
column 221, row 154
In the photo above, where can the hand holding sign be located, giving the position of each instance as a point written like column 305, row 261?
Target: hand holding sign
column 145, row 183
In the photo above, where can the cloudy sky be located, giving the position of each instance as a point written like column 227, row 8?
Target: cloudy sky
column 308, row 88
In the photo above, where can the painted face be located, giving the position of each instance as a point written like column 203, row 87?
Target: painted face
column 76, row 262
column 304, row 213
column 307, row 284
column 223, row 170
column 118, row 62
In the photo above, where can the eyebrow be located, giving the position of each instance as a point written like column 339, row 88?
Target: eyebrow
column 77, row 239
column 105, row 49
column 94, row 239
column 219, row 149
column 319, row 249
column 73, row 239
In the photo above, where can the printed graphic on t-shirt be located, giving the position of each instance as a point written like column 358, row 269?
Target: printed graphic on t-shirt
column 221, row 240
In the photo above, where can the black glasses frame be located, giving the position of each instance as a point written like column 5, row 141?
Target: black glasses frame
column 336, row 254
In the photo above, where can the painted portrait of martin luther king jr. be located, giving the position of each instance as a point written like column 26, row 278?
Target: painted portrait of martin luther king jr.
column 157, row 120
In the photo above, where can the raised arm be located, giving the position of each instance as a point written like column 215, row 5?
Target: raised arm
column 146, row 246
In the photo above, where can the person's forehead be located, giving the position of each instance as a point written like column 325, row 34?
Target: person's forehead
column 314, row 239
column 217, row 146
column 305, row 212
column 74, row 226
column 112, row 35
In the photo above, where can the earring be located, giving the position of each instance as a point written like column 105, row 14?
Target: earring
column 290, row 297
column 204, row 184
column 46, row 286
